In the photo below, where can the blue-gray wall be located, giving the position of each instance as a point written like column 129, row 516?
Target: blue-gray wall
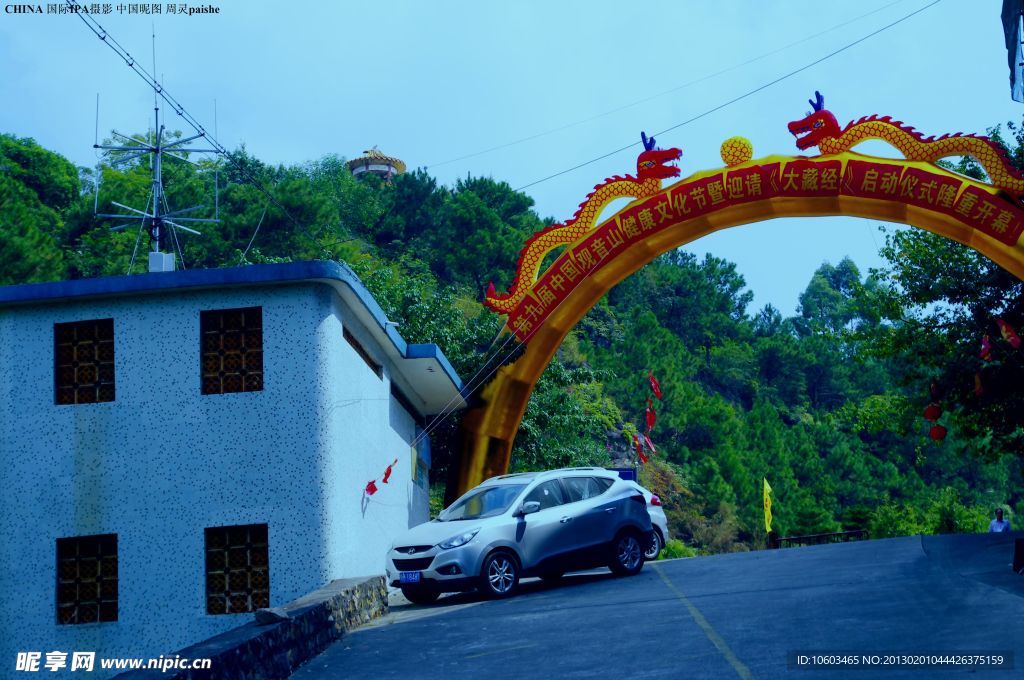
column 163, row 462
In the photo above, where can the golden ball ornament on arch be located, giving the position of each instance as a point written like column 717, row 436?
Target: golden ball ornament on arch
column 736, row 151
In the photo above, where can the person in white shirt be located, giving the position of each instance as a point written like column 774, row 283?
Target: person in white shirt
column 999, row 524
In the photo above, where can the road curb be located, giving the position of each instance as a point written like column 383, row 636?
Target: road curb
column 298, row 632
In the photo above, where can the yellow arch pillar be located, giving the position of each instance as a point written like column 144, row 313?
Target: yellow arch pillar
column 918, row 194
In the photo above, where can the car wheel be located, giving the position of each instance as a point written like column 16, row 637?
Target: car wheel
column 421, row 594
column 627, row 554
column 499, row 576
column 657, row 543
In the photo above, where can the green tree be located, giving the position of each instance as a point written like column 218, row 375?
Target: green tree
column 569, row 422
column 36, row 187
column 480, row 232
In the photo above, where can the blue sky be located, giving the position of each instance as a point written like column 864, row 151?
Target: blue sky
column 433, row 81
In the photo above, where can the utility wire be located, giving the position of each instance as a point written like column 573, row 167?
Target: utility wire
column 159, row 89
column 241, row 260
column 104, row 36
column 470, row 386
column 741, row 97
column 482, row 375
column 665, row 92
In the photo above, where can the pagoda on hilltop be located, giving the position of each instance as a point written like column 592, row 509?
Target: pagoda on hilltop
column 375, row 162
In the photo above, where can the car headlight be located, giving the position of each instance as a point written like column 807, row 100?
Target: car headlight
column 456, row 541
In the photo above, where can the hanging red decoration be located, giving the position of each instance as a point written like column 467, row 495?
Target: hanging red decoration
column 387, row 472
column 655, row 385
column 986, row 349
column 639, row 449
column 979, row 390
column 371, row 487
column 932, row 412
column 1008, row 333
column 937, row 433
column 651, row 417
column 649, row 444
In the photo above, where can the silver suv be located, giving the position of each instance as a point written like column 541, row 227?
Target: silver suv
column 529, row 524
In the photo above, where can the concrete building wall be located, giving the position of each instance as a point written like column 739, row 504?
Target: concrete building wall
column 162, row 462
column 367, row 430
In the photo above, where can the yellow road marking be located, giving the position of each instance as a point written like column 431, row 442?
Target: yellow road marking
column 716, row 639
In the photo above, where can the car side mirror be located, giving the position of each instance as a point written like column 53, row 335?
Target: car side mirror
column 530, row 507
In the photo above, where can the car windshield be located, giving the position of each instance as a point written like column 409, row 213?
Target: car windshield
column 486, row 502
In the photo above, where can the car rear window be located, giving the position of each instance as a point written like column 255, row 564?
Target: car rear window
column 582, row 488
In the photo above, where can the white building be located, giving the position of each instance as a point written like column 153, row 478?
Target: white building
column 181, row 448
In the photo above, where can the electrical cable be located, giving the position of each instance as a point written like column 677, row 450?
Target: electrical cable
column 445, row 412
column 159, row 89
column 142, row 223
column 135, row 251
column 677, row 88
column 741, row 97
column 241, row 260
column 104, row 36
column 443, row 415
column 468, row 388
column 174, row 233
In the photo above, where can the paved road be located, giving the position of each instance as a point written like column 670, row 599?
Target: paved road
column 728, row 616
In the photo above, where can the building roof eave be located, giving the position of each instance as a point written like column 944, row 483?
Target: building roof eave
column 422, row 369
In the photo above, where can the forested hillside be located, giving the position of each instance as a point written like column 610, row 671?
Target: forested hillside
column 828, row 403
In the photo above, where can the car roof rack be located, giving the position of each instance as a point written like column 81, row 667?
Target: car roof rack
column 516, row 474
column 540, row 473
column 577, row 469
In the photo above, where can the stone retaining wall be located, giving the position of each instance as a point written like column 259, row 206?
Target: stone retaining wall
column 300, row 630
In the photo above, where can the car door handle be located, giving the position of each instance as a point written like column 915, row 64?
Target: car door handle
column 565, row 520
column 609, row 509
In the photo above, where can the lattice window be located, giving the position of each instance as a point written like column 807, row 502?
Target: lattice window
column 83, row 362
column 231, row 344
column 237, row 569
column 87, row 579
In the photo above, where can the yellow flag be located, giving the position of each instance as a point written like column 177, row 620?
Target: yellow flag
column 767, row 506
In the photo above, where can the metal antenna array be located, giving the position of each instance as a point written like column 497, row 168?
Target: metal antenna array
column 162, row 222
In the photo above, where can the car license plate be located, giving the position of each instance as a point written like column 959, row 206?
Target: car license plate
column 409, row 577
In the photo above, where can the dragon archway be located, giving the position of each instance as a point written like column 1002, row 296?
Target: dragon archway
column 542, row 307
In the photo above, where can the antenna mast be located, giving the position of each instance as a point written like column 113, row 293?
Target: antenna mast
column 162, row 222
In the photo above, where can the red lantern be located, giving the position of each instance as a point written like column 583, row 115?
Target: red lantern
column 979, row 390
column 937, row 433
column 371, row 487
column 932, row 412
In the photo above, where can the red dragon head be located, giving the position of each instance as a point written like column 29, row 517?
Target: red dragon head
column 651, row 164
column 816, row 126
